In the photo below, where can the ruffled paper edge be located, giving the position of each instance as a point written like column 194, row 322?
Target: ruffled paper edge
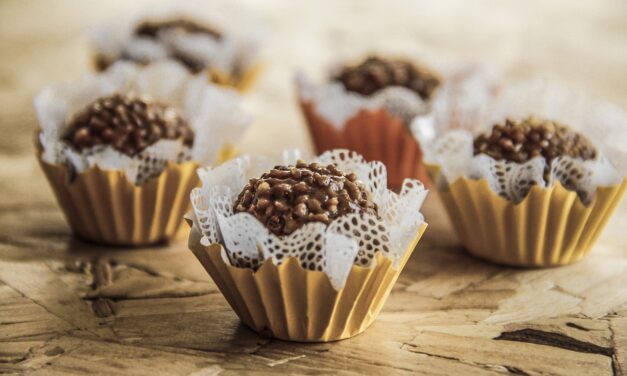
column 337, row 105
column 241, row 29
column 215, row 113
column 401, row 235
column 458, row 112
column 453, row 154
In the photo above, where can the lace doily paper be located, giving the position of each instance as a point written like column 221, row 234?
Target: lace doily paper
column 337, row 105
column 464, row 87
column 214, row 113
column 236, row 50
column 603, row 123
column 332, row 248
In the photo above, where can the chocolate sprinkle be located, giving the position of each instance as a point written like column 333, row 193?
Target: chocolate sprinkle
column 287, row 197
column 129, row 124
column 375, row 74
column 153, row 29
column 520, row 141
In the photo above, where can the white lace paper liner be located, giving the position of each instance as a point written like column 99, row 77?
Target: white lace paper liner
column 214, row 113
column 462, row 102
column 337, row 105
column 603, row 123
column 331, row 249
column 236, row 50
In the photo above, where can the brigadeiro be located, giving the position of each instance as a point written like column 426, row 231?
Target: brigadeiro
column 522, row 140
column 536, row 187
column 321, row 241
column 289, row 196
column 120, row 150
column 221, row 42
column 126, row 123
column 370, row 107
column 375, row 74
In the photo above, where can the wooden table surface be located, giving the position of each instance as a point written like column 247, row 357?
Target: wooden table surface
column 70, row 307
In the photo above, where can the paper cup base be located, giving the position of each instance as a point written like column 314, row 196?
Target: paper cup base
column 102, row 206
column 550, row 227
column 376, row 135
column 295, row 304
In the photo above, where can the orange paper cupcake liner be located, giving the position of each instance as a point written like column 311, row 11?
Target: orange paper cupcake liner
column 377, row 135
column 550, row 227
column 295, row 304
column 103, row 206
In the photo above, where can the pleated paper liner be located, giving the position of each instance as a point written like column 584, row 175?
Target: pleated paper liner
column 295, row 304
column 103, row 206
column 550, row 227
column 227, row 152
column 243, row 82
column 375, row 134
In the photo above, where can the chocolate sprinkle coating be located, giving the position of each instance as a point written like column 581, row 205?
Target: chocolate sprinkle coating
column 128, row 123
column 152, row 29
column 287, row 197
column 376, row 73
column 520, row 141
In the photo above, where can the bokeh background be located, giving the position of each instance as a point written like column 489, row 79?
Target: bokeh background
column 580, row 43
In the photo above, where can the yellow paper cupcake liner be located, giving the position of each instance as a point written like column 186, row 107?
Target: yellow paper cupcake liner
column 295, row 304
column 550, row 227
column 243, row 83
column 103, row 206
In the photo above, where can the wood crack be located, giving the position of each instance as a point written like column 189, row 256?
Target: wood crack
column 190, row 350
column 616, row 367
column 562, row 341
column 573, row 325
column 516, row 371
column 510, row 369
column 260, row 346
column 21, row 244
column 40, row 305
column 102, row 276
column 145, row 269
column 562, row 290
column 53, row 352
column 101, row 272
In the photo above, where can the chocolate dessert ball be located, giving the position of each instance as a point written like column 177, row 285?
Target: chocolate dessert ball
column 127, row 123
column 287, row 197
column 151, row 29
column 522, row 140
column 375, row 74
column 155, row 30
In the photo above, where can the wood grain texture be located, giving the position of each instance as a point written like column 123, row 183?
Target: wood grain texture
column 71, row 307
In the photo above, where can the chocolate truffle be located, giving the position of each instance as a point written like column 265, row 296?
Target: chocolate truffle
column 520, row 141
column 376, row 73
column 151, row 29
column 287, row 197
column 127, row 123
column 154, row 29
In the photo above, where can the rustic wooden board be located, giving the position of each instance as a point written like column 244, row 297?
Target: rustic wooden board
column 71, row 307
